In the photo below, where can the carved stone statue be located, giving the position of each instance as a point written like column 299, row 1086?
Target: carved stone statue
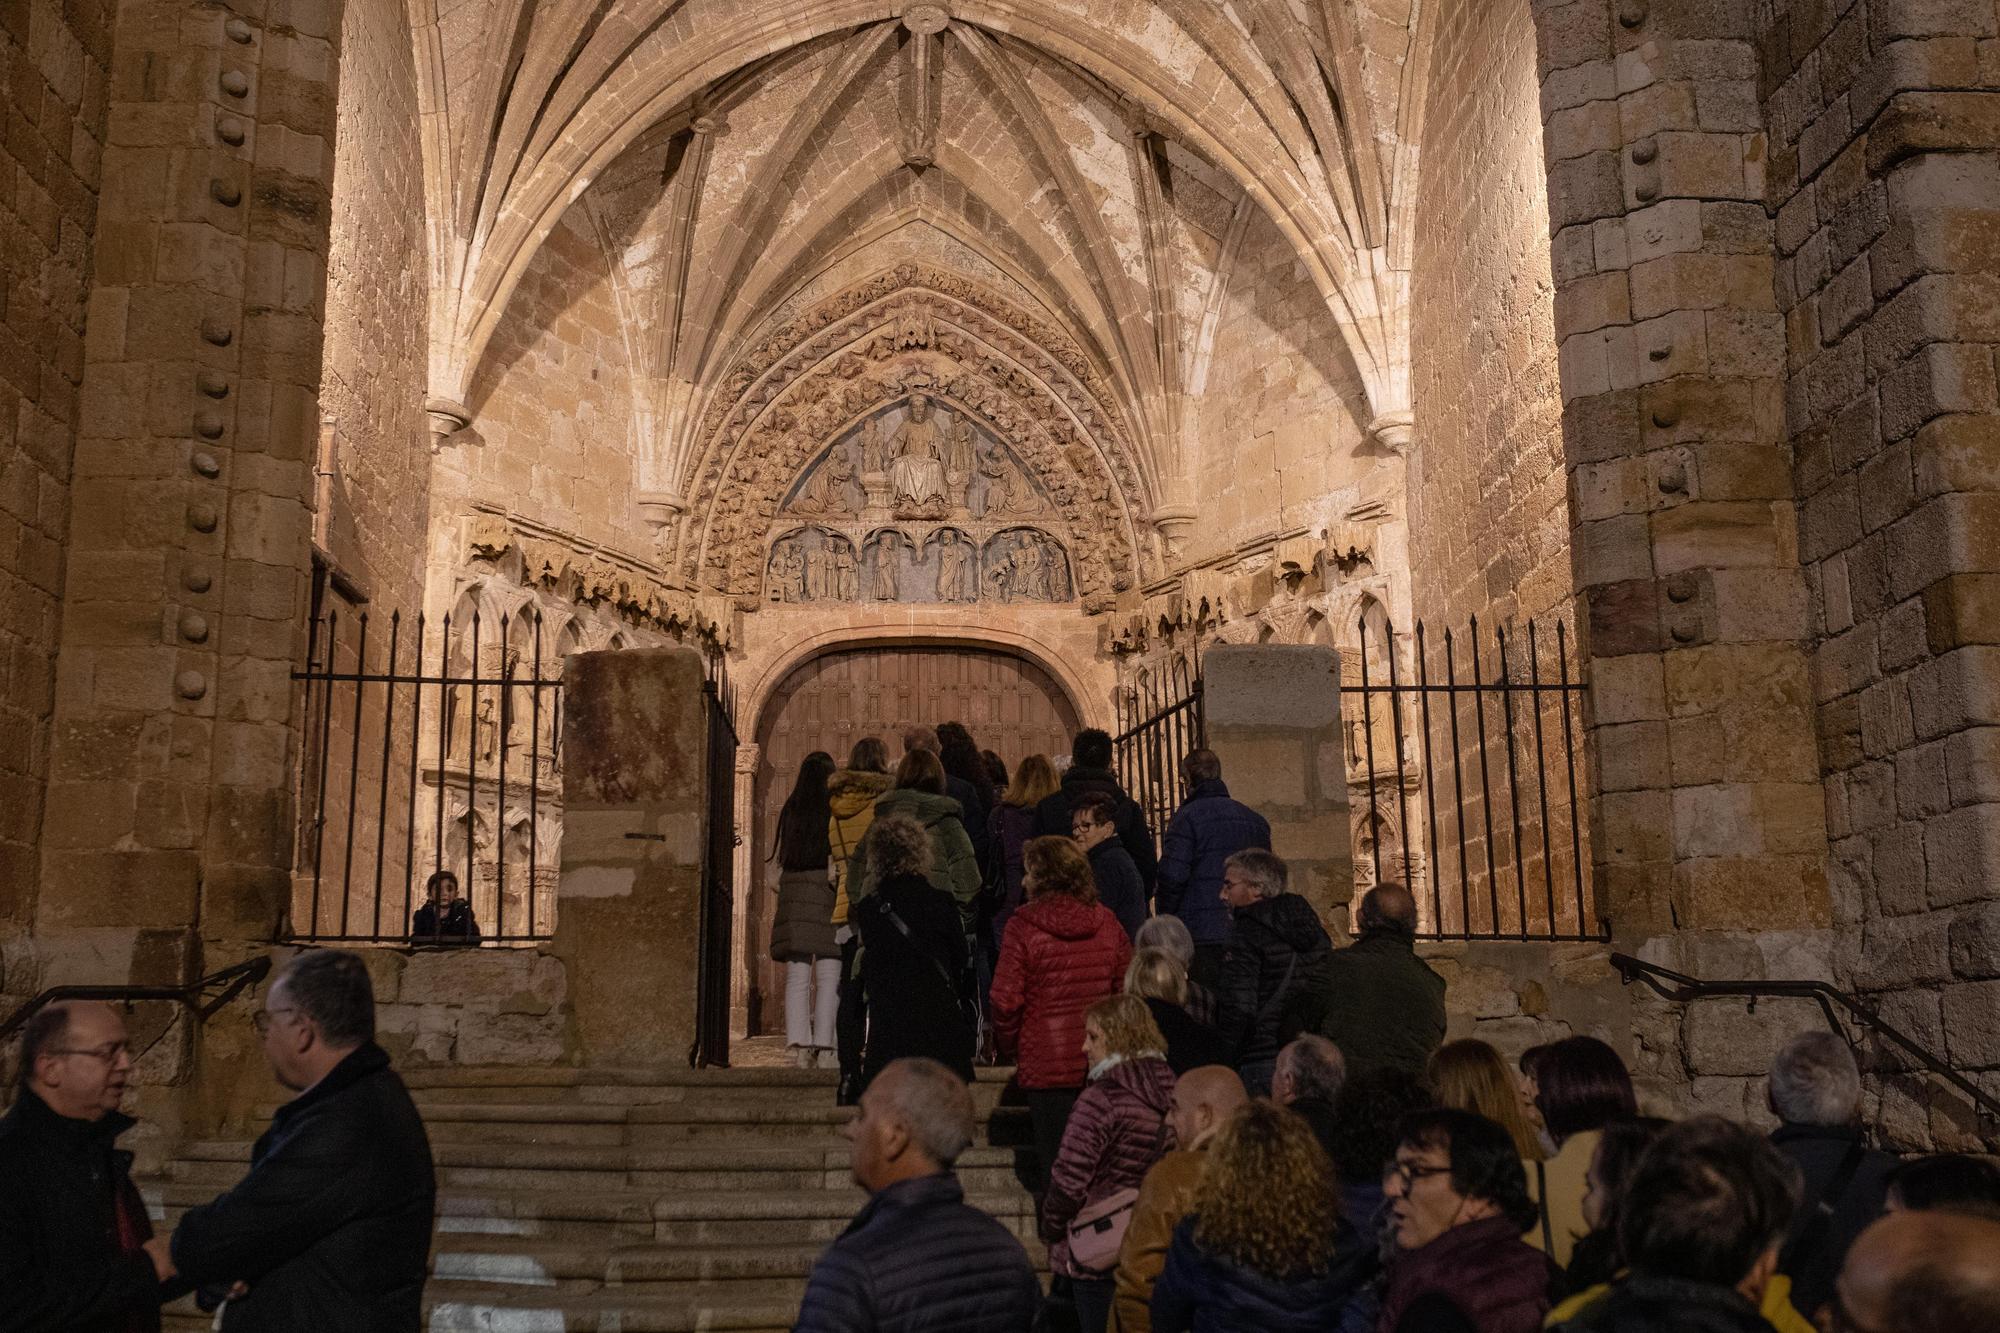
column 826, row 491
column 883, row 585
column 844, row 573
column 871, row 447
column 1008, row 493
column 954, row 560
column 917, row 469
column 788, row 572
column 959, row 463
column 818, row 568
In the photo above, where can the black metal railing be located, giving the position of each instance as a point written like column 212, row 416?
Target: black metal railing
column 1467, row 787
column 714, row 964
column 1157, row 725
column 204, row 997
column 1680, row 988
column 427, row 753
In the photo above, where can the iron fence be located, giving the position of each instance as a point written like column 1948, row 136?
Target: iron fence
column 1158, row 724
column 1467, row 789
column 430, row 753
column 716, row 917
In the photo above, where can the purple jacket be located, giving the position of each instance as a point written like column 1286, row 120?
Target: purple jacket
column 1499, row 1282
column 1117, row 1131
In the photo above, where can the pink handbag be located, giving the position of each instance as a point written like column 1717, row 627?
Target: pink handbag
column 1098, row 1232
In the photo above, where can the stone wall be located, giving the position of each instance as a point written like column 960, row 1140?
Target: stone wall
column 54, row 60
column 1489, row 529
column 372, row 386
column 1885, row 181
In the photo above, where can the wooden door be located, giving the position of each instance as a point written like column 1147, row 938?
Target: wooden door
column 1010, row 706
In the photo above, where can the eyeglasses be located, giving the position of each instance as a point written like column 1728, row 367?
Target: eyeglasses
column 1410, row 1175
column 110, row 1053
column 262, row 1018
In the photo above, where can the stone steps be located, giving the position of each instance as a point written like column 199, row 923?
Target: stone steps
column 626, row 1199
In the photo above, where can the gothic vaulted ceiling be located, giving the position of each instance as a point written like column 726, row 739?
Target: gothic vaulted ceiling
column 1094, row 164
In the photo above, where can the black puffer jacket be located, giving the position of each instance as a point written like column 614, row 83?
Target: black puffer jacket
column 1275, row 944
column 1642, row 1304
column 332, row 1227
column 62, row 1269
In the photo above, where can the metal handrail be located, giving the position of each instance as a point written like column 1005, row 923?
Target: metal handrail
column 1681, row 989
column 227, row 985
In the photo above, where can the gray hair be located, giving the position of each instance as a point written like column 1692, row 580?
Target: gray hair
column 933, row 1103
column 1814, row 1081
column 332, row 988
column 1168, row 934
column 43, row 1033
column 1318, row 1068
column 1266, row 871
column 897, row 845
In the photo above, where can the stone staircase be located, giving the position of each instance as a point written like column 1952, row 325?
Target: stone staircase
column 643, row 1201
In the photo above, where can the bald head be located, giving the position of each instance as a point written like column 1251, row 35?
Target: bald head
column 75, row 1057
column 1388, row 906
column 1923, row 1273
column 1204, row 1099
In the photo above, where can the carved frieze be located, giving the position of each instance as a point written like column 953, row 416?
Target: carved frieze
column 917, row 563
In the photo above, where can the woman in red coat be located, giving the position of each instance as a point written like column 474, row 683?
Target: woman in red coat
column 1063, row 952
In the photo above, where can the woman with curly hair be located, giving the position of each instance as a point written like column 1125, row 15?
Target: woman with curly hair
column 1263, row 1248
column 1116, row 1132
column 913, row 959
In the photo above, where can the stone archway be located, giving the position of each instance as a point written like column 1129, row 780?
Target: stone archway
column 829, row 698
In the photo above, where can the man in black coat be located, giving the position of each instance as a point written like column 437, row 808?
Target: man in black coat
column 1277, row 948
column 918, row 1258
column 1380, row 1003
column 1090, row 770
column 331, row 1229
column 73, row 1230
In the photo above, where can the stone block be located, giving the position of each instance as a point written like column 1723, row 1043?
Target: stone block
column 1975, row 942
column 1972, row 1024
column 509, row 1039
column 1962, row 852
column 1904, row 951
column 1293, row 687
column 1728, row 1038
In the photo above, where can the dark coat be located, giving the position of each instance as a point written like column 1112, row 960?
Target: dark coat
column 1190, row 1044
column 802, row 927
column 954, row 868
column 1118, row 884
column 910, row 1009
column 1642, row 1304
column 62, row 1266
column 1116, row 1132
column 1499, row 1282
column 1271, row 940
column 332, row 1227
column 1199, row 1292
column 1059, row 958
column 1052, row 817
column 919, row 1259
column 1206, row 831
column 1818, row 1153
column 1009, row 828
column 1380, row 1003
column 458, row 927
column 973, row 810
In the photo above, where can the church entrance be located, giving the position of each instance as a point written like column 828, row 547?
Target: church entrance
column 1011, row 706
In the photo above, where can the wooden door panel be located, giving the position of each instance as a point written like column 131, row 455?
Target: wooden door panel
column 1010, row 705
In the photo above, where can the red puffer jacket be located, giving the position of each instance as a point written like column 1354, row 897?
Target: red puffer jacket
column 1057, row 959
column 1117, row 1131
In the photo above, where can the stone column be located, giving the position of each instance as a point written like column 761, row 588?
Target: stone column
column 635, row 776
column 1273, row 716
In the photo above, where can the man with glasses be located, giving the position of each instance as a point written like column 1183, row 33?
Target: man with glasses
column 331, row 1229
column 73, row 1230
column 1458, row 1204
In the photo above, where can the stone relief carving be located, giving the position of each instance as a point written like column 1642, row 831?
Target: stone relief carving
column 913, row 565
column 1025, row 565
column 813, row 565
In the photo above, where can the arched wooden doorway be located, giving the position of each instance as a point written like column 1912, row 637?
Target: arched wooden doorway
column 1010, row 704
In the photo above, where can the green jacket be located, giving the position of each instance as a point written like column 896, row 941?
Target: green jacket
column 1381, row 1004
column 954, row 867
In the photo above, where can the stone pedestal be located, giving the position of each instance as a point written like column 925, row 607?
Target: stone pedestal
column 634, row 778
column 1273, row 715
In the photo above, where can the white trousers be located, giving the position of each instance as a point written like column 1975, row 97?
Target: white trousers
column 812, row 997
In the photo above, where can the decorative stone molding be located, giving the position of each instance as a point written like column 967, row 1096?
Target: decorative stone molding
column 1175, row 524
column 451, row 423
column 1393, row 431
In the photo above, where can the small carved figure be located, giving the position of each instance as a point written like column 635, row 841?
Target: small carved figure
column 844, row 572
column 953, row 556
column 816, row 574
column 871, row 448
column 884, row 584
column 487, row 727
column 825, row 492
column 789, row 572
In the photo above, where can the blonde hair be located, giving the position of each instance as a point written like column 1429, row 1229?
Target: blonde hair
column 1266, row 1198
column 1127, row 1025
column 1055, row 865
column 1469, row 1075
column 1156, row 974
column 1034, row 782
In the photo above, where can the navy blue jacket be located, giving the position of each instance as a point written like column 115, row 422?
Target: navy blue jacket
column 1199, row 1292
column 919, row 1258
column 1207, row 830
column 1119, row 887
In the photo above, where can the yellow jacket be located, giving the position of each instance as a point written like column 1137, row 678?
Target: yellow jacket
column 1776, row 1307
column 1166, row 1195
column 850, row 793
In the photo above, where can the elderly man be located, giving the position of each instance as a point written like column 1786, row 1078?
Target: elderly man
column 1703, row 1214
column 1208, row 829
column 1815, row 1091
column 1379, row 1003
column 73, row 1230
column 331, row 1229
column 1204, row 1099
column 1276, row 947
column 1308, row 1077
column 917, row 1257
column 1921, row 1272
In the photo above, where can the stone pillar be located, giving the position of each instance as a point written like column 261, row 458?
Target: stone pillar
column 1273, row 716
column 635, row 776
